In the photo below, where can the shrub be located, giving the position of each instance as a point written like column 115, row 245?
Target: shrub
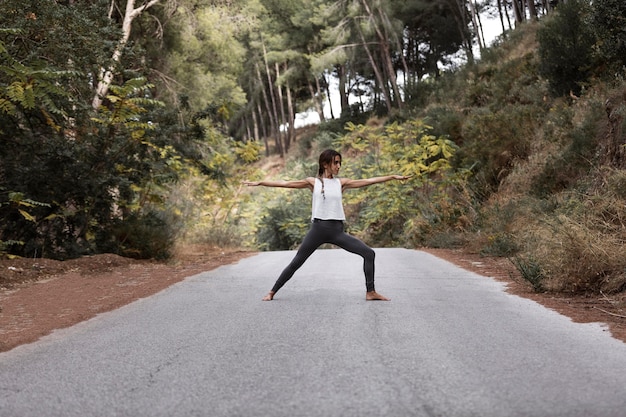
column 500, row 244
column 445, row 121
column 495, row 140
column 143, row 236
column 563, row 171
column 565, row 48
column 530, row 271
column 218, row 235
column 578, row 251
column 283, row 225
column 608, row 23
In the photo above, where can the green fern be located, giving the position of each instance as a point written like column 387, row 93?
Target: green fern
column 128, row 105
column 22, row 204
column 31, row 87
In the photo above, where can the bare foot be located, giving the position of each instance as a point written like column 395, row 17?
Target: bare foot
column 269, row 296
column 373, row 295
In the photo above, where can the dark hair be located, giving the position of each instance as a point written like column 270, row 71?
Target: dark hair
column 326, row 158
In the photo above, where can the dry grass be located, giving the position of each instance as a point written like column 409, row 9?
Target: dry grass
column 520, row 181
column 578, row 258
column 579, row 245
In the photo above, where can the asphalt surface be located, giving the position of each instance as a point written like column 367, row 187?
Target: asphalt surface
column 450, row 343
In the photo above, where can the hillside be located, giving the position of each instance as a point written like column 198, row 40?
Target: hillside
column 543, row 180
column 548, row 183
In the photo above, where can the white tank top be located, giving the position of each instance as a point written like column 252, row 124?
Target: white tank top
column 327, row 206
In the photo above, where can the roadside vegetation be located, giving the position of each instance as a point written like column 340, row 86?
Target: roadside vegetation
column 518, row 154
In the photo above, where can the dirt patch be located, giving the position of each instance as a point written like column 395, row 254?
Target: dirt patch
column 38, row 296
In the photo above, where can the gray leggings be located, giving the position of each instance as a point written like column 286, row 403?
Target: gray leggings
column 329, row 231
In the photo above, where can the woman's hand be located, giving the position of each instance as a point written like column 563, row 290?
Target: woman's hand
column 252, row 183
column 401, row 177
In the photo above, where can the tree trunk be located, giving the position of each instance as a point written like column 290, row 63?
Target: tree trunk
column 501, row 15
column 283, row 120
column 330, row 102
column 383, row 39
column 377, row 72
column 508, row 17
column 387, row 23
column 343, row 93
column 291, row 114
column 532, row 10
column 461, row 24
column 270, row 115
column 317, row 99
column 480, row 25
column 262, row 125
column 474, row 12
column 106, row 75
column 518, row 11
column 274, row 108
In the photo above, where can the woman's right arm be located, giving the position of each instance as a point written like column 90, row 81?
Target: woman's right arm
column 305, row 183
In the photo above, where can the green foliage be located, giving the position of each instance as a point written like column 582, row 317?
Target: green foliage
column 405, row 147
column 212, row 212
column 386, row 213
column 249, row 151
column 142, row 235
column 565, row 48
column 19, row 202
column 531, row 271
column 5, row 246
column 445, row 121
column 501, row 245
column 127, row 105
column 205, row 55
column 494, row 141
column 283, row 226
column 492, row 111
column 112, row 170
column 35, row 90
column 32, row 88
column 563, row 171
column 608, row 23
column 88, row 181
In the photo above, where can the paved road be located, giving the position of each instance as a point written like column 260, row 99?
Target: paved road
column 450, row 343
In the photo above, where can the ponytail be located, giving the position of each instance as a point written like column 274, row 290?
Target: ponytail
column 326, row 158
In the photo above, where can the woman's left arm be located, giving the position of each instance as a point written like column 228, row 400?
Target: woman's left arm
column 346, row 184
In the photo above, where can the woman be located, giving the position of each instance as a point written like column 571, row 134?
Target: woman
column 327, row 219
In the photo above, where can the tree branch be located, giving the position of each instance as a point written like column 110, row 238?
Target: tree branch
column 610, row 314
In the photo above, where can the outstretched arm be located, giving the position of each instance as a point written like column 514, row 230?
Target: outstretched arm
column 347, row 183
column 305, row 183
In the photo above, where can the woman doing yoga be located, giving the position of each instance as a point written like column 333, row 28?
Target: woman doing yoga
column 327, row 219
